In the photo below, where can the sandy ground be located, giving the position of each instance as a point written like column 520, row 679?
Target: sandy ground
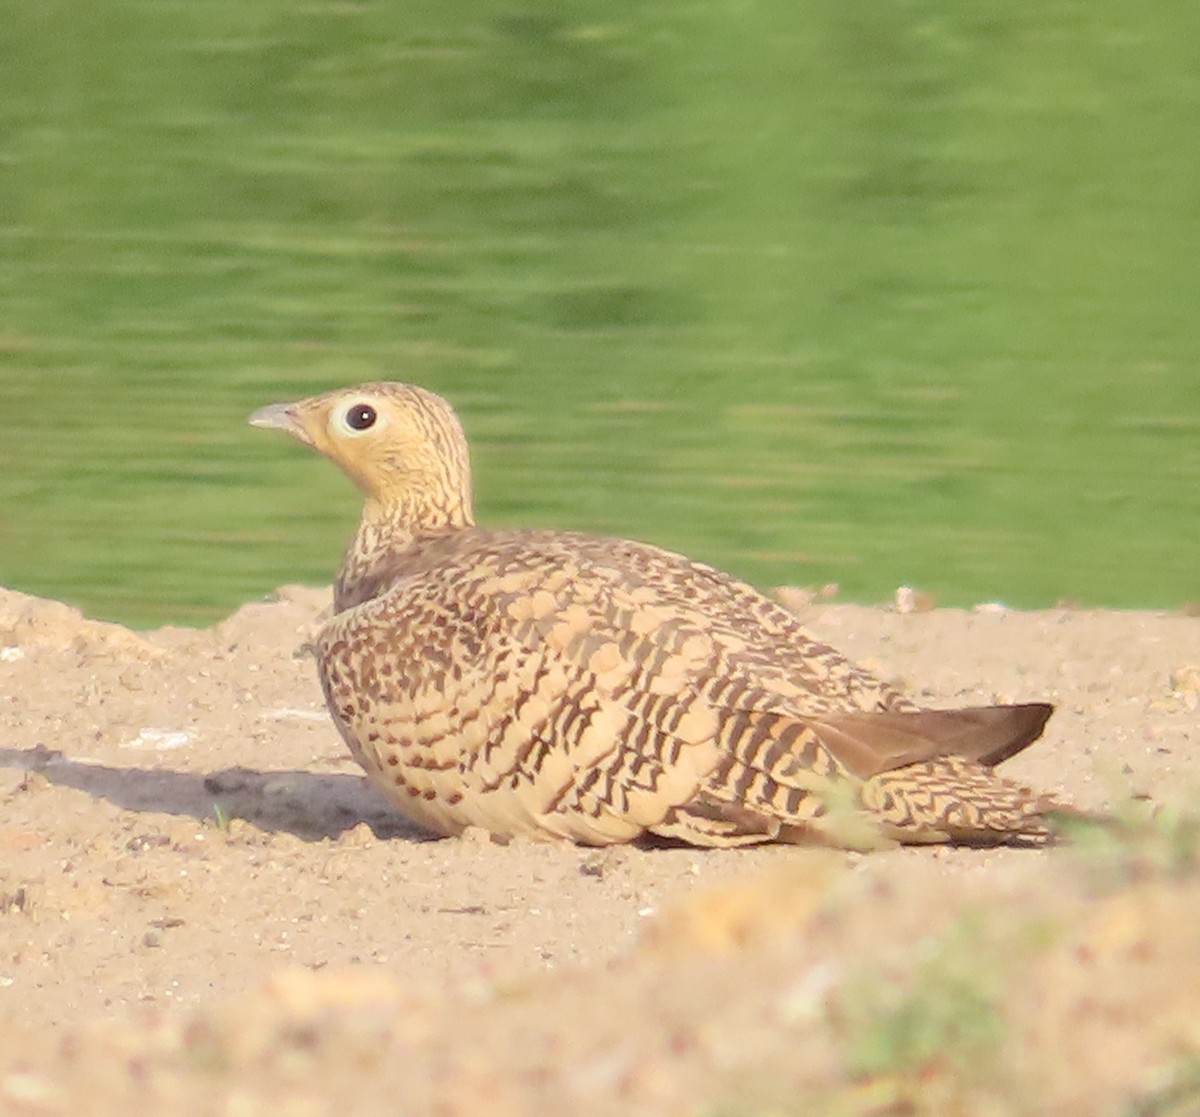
column 204, row 908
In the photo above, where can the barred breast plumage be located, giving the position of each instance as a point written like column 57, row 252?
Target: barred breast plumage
column 560, row 684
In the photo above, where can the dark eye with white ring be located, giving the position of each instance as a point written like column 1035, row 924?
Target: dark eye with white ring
column 360, row 417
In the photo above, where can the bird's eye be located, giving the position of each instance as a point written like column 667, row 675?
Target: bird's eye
column 360, row 417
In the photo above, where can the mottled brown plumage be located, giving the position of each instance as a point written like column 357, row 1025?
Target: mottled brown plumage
column 600, row 690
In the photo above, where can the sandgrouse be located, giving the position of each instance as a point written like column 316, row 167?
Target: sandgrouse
column 565, row 685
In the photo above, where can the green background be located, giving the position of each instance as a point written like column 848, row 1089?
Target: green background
column 865, row 292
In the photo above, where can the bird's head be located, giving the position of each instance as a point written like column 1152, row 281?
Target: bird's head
column 401, row 445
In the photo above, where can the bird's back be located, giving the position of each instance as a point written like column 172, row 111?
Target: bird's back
column 590, row 599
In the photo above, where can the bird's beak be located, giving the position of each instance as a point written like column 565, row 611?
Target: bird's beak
column 281, row 417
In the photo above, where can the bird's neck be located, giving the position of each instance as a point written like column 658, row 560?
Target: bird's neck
column 387, row 538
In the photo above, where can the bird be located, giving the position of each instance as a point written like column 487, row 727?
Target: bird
column 562, row 685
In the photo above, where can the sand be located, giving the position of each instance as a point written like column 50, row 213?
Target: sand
column 205, row 909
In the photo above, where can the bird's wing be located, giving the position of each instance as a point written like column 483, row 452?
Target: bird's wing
column 609, row 693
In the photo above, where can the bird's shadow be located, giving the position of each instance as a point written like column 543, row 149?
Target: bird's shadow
column 307, row 804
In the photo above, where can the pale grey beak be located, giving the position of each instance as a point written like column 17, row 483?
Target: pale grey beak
column 281, row 417
column 277, row 416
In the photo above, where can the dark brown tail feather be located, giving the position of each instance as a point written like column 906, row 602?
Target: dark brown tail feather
column 871, row 743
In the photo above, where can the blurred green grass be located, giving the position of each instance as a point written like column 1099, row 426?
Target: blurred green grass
column 815, row 291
